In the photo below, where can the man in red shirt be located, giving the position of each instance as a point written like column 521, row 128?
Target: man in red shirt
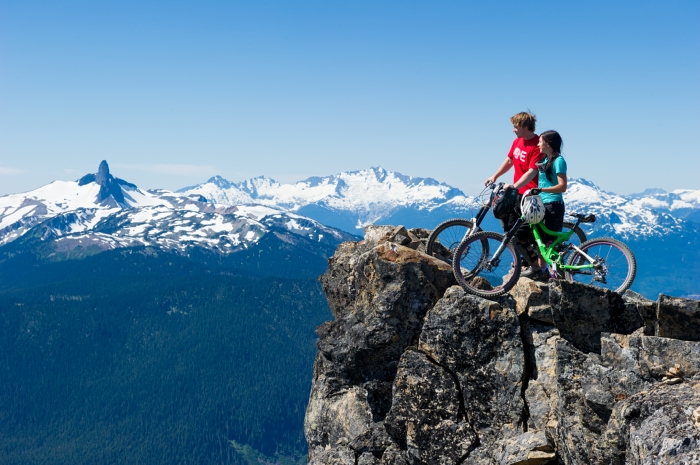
column 524, row 152
column 523, row 155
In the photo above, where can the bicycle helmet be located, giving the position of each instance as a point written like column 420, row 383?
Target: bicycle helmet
column 532, row 208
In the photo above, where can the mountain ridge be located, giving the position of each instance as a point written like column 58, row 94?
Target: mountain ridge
column 348, row 201
column 101, row 212
column 376, row 195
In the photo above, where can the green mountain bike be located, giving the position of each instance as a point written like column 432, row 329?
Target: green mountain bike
column 487, row 264
column 444, row 239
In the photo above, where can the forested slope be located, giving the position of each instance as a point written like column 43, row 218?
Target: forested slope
column 139, row 356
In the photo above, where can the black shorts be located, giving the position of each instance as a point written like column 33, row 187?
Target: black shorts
column 553, row 218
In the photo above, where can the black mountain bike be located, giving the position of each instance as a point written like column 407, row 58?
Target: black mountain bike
column 444, row 239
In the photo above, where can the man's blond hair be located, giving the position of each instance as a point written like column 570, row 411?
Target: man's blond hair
column 524, row 119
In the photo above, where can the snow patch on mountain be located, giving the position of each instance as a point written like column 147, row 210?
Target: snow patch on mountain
column 617, row 214
column 224, row 216
column 86, row 214
column 376, row 195
column 367, row 190
column 370, row 193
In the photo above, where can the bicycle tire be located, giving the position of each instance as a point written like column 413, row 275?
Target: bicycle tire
column 578, row 232
column 446, row 237
column 472, row 271
column 618, row 265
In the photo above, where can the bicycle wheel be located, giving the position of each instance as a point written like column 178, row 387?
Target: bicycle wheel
column 478, row 272
column 578, row 234
column 445, row 238
column 615, row 265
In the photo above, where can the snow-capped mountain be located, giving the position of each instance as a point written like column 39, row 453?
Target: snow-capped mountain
column 681, row 203
column 101, row 212
column 619, row 215
column 347, row 200
column 351, row 200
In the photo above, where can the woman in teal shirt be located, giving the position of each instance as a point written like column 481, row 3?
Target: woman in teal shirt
column 552, row 180
column 551, row 172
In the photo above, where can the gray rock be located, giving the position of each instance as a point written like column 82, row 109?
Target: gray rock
column 579, row 422
column 654, row 427
column 479, row 341
column 531, row 448
column 374, row 235
column 532, row 298
column 678, row 318
column 582, row 313
column 413, row 371
column 378, row 293
column 367, row 459
column 373, row 440
column 401, row 236
column 646, row 309
column 394, row 456
column 334, row 415
column 482, row 455
column 379, row 300
column 337, row 456
column 638, row 362
column 426, row 417
column 541, row 390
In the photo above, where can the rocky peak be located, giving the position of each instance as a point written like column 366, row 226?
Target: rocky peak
column 111, row 193
column 220, row 181
column 412, row 370
column 103, row 177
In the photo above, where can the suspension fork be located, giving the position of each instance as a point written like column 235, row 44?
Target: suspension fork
column 480, row 217
column 476, row 221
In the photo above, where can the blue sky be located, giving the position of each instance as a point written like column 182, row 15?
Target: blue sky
column 171, row 93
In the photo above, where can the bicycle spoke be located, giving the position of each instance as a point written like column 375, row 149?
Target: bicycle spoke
column 445, row 238
column 614, row 265
column 479, row 272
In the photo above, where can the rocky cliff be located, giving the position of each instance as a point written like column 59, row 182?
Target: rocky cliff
column 412, row 370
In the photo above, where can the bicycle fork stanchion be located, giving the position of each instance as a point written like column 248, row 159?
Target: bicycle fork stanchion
column 475, row 228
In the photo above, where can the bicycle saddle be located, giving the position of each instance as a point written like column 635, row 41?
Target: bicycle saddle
column 583, row 218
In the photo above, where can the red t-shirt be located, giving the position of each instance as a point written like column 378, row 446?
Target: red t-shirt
column 524, row 154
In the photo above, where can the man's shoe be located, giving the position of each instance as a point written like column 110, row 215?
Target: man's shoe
column 542, row 276
column 530, row 272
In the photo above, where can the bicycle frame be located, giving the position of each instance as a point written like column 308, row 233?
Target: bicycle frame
column 549, row 252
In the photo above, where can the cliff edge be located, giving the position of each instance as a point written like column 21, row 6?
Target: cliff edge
column 412, row 370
